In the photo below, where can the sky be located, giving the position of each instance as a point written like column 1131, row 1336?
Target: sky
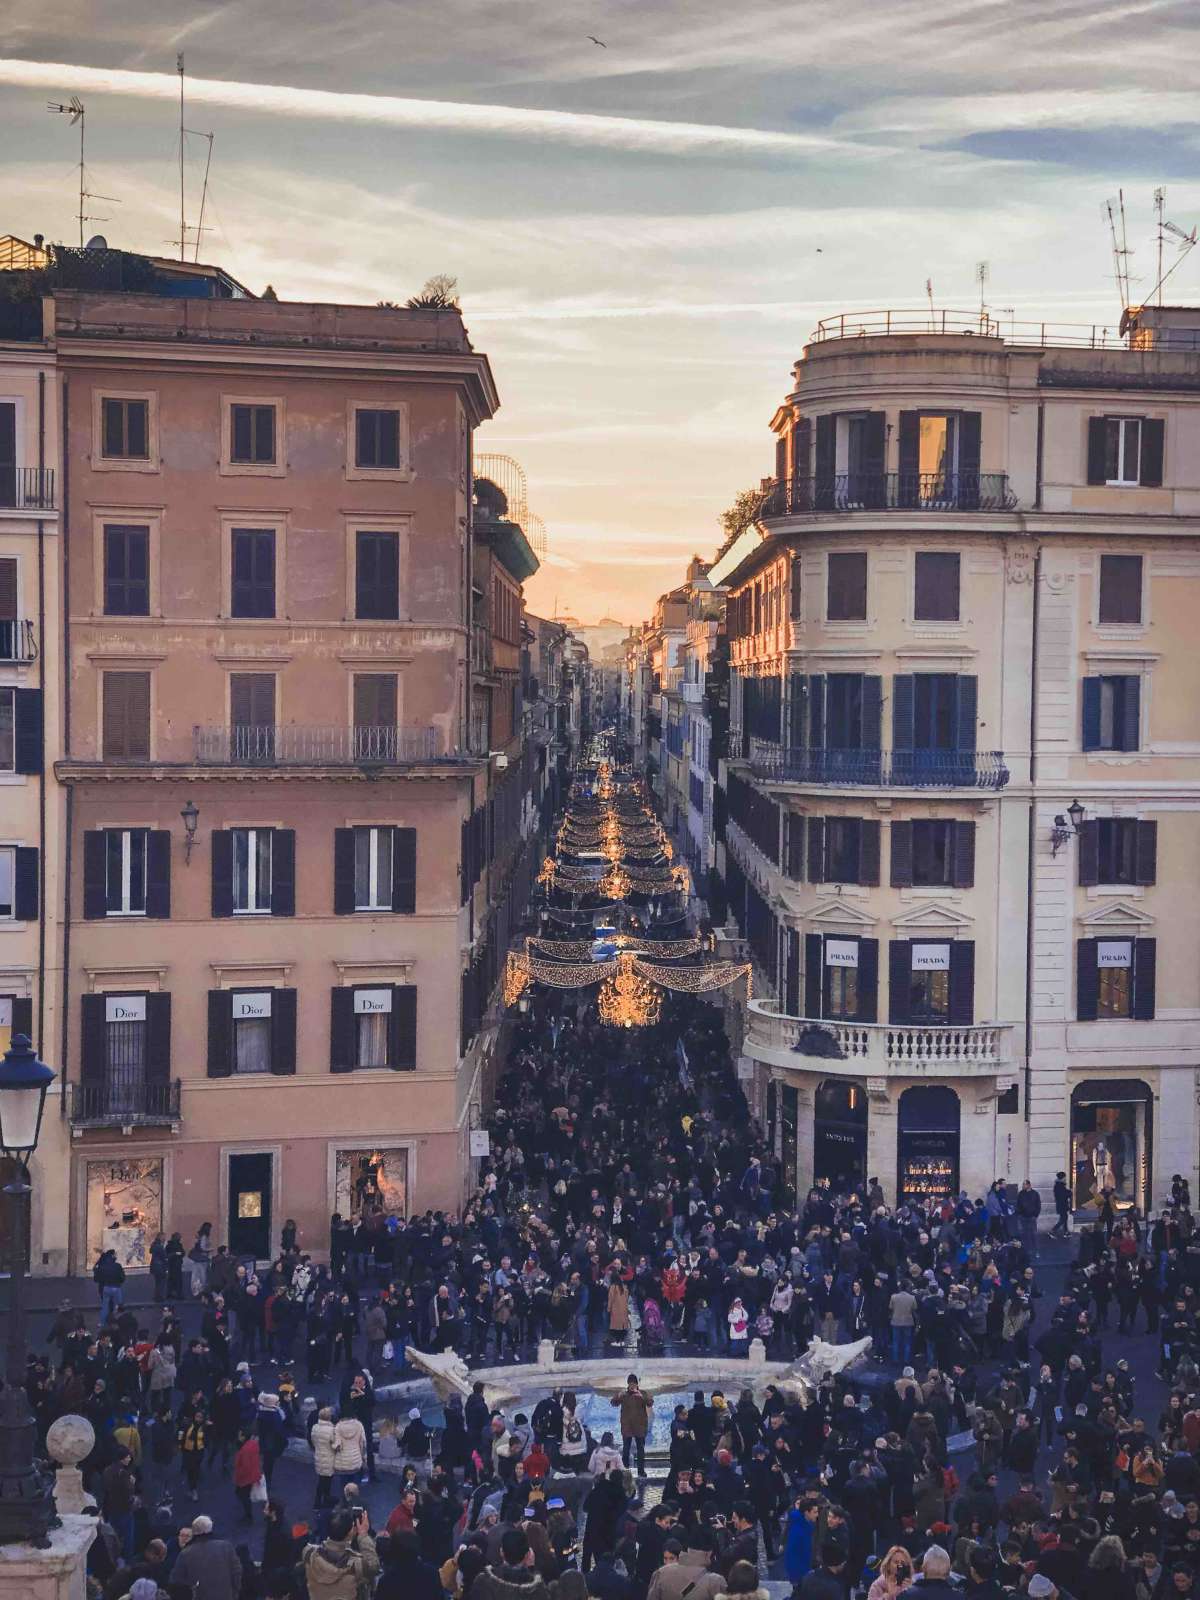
column 645, row 231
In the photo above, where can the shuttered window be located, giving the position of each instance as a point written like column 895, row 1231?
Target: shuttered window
column 374, row 700
column 126, row 571
column 376, row 438
column 847, row 586
column 252, row 435
column 936, row 586
column 1120, row 589
column 1115, row 978
column 1126, row 452
column 252, row 579
column 126, row 712
column 1111, row 712
column 125, row 429
column 377, row 576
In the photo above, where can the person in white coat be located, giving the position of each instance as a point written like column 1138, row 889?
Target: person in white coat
column 349, row 1447
column 324, row 1448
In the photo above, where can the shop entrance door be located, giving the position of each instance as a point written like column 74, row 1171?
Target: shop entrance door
column 840, row 1137
column 250, row 1205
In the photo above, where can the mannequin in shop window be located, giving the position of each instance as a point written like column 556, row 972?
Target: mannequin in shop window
column 1102, row 1166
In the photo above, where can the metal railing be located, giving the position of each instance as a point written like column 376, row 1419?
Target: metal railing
column 983, row 325
column 904, row 1049
column 300, row 745
column 18, row 639
column 899, row 769
column 887, row 491
column 26, row 488
column 124, row 1099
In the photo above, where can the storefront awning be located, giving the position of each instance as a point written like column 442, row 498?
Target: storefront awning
column 1110, row 1092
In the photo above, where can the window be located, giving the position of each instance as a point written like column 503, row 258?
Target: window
column 1120, row 589
column 841, row 977
column 374, row 1026
column 1118, row 850
column 1125, row 452
column 931, row 982
column 126, row 571
column 8, row 453
column 843, row 850
column 933, row 854
column 933, row 727
column 375, row 716
column 124, row 1051
column 251, row 1031
column 847, row 587
column 377, row 576
column 7, row 729
column 1111, row 712
column 252, row 435
column 372, row 869
column 125, row 872
column 1115, row 978
column 377, row 438
column 843, row 992
column 126, row 710
column 125, row 429
column 372, row 1016
column 8, row 874
column 252, row 716
column 795, row 594
column 10, row 632
column 252, row 586
column 936, row 586
column 252, row 851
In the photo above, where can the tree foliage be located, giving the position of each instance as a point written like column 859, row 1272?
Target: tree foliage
column 738, row 517
column 439, row 293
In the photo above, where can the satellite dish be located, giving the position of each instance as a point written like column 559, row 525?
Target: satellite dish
column 96, row 242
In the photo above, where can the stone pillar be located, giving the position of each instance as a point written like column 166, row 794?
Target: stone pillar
column 977, row 1137
column 881, row 1136
column 69, row 1441
column 58, row 1573
column 806, row 1110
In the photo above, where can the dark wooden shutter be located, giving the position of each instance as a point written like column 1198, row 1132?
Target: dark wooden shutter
column 899, row 979
column 903, row 689
column 1088, row 850
column 1150, row 473
column 25, row 884
column 1146, row 867
column 27, row 730
column 375, row 699
column 8, row 589
column 158, row 873
column 92, row 1038
column 252, row 699
column 222, row 872
column 404, row 869
column 1087, row 980
column 872, row 712
column 402, row 1028
column 868, row 852
column 283, row 1032
column 283, row 872
column 816, row 849
column 1130, row 687
column 95, row 874
column 874, row 439
column 220, row 1033
column 909, row 458
column 826, row 462
column 22, row 1018
column 1144, row 962
column 126, row 730
column 814, row 952
column 962, row 982
column 794, row 858
column 968, row 458
column 791, row 972
column 967, row 698
column 963, row 841
column 815, row 731
column 343, row 1053
column 868, row 979
column 343, row 873
column 901, row 867
column 1091, row 714
column 802, row 448
column 158, row 1037
column 1097, row 449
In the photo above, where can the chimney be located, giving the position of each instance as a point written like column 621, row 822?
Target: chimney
column 37, row 240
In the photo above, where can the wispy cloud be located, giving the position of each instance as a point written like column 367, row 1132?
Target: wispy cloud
column 565, row 127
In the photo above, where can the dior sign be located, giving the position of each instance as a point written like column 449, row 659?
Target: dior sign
column 248, row 1007
column 372, row 1002
column 125, row 1008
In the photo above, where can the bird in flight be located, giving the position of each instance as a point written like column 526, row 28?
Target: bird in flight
column 600, row 42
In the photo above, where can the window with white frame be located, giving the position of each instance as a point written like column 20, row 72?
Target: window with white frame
column 125, row 872
column 8, row 888
column 373, row 869
column 252, row 1031
column 124, row 1049
column 372, row 1027
column 1123, row 450
column 251, row 870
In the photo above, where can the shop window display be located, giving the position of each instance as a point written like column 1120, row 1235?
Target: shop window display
column 1108, row 1142
column 124, row 1209
column 366, row 1179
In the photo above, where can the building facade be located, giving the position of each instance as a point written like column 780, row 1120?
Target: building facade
column 283, row 845
column 963, row 789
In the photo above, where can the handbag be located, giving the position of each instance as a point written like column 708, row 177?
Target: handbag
column 258, row 1492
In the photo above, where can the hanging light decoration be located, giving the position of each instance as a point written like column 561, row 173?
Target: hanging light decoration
column 615, row 884
column 627, row 1000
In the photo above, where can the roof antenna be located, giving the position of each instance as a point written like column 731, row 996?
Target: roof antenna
column 75, row 110
column 1120, row 251
column 182, row 131
column 929, row 292
column 982, row 272
column 203, row 191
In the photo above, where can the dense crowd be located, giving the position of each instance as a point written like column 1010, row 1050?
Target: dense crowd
column 630, row 1206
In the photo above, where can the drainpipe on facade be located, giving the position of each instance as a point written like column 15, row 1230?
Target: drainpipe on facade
column 41, row 566
column 64, row 523
column 1031, row 852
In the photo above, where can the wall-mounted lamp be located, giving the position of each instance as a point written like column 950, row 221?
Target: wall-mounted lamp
column 1067, row 827
column 191, row 816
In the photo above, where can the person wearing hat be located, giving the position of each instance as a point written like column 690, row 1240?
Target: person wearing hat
column 1062, row 1205
column 1040, row 1588
column 414, row 1441
column 208, row 1566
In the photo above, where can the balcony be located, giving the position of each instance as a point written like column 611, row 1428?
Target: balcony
column 124, row 1100
column 880, row 769
column 18, row 640
column 886, row 491
column 26, row 488
column 305, row 746
column 878, row 1049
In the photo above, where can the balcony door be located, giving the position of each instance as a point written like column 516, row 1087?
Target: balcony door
column 8, row 453
column 250, row 1177
column 252, row 716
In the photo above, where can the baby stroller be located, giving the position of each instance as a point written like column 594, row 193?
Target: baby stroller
column 653, row 1332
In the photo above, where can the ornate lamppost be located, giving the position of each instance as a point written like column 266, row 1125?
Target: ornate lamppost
column 26, row 1493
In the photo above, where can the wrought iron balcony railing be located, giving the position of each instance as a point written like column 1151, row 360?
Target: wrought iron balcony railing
column 302, row 745
column 26, row 488
column 887, row 491
column 18, row 639
column 124, row 1099
column 902, row 769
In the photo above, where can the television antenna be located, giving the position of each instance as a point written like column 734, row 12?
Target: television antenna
column 76, row 112
column 982, row 273
column 1115, row 210
column 1186, row 241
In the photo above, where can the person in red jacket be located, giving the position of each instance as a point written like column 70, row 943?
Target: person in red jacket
column 247, row 1470
column 537, row 1463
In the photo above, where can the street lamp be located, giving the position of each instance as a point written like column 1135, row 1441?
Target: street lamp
column 191, row 816
column 26, row 1494
column 1067, row 827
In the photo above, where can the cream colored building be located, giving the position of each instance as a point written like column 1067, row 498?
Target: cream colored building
column 967, row 606
column 31, row 809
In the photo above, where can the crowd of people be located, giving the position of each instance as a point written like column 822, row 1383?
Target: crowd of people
column 629, row 1206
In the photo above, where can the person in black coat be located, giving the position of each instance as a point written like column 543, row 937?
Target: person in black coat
column 406, row 1575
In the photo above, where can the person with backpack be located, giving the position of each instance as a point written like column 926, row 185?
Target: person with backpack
column 573, row 1450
